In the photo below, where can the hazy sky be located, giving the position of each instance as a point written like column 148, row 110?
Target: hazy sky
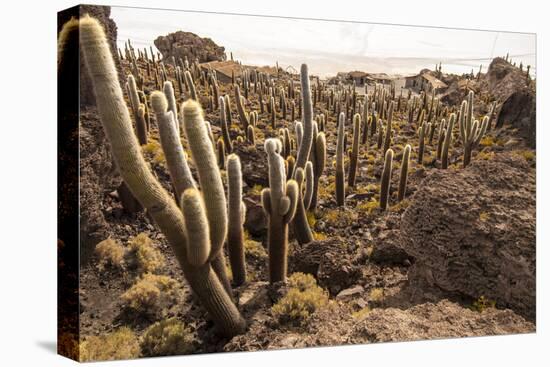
column 329, row 46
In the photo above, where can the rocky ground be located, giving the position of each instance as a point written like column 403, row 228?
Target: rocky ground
column 455, row 259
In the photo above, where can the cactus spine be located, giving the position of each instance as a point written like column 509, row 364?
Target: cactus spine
column 354, row 150
column 386, row 180
column 134, row 170
column 340, row 190
column 237, row 211
column 279, row 202
column 404, row 173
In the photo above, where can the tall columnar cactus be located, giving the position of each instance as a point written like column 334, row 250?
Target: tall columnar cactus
column 240, row 108
column 447, row 142
column 387, row 139
column 354, row 150
column 224, row 126
column 279, row 202
column 272, row 118
column 168, row 90
column 421, row 142
column 471, row 131
column 307, row 118
column 340, row 189
column 302, row 231
column 220, row 147
column 141, row 125
column 237, row 212
column 250, row 136
column 319, row 153
column 133, row 96
column 133, row 168
column 228, row 110
column 176, row 161
column 190, row 85
column 404, row 173
column 381, row 134
column 309, row 182
column 441, row 138
column 365, row 129
column 385, row 182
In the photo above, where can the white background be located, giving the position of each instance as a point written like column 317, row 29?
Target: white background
column 28, row 183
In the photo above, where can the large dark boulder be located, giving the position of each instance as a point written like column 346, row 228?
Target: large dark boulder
column 519, row 110
column 472, row 231
column 188, row 45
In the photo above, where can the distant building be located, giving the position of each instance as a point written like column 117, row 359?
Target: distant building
column 361, row 78
column 425, row 82
column 224, row 69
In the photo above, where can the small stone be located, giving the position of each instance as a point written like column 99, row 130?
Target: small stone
column 350, row 292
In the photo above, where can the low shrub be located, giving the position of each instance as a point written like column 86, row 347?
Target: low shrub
column 148, row 292
column 110, row 254
column 121, row 344
column 143, row 255
column 302, row 300
column 166, row 338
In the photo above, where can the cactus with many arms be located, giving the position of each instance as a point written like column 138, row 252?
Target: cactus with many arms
column 193, row 255
column 279, row 202
column 471, row 131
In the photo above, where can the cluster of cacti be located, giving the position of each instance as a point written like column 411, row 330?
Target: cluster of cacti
column 279, row 202
column 471, row 131
column 196, row 243
column 199, row 221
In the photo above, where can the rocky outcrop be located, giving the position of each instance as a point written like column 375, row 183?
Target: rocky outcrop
column 503, row 79
column 103, row 15
column 188, row 45
column 472, row 231
column 328, row 262
column 519, row 110
column 336, row 326
column 436, row 321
